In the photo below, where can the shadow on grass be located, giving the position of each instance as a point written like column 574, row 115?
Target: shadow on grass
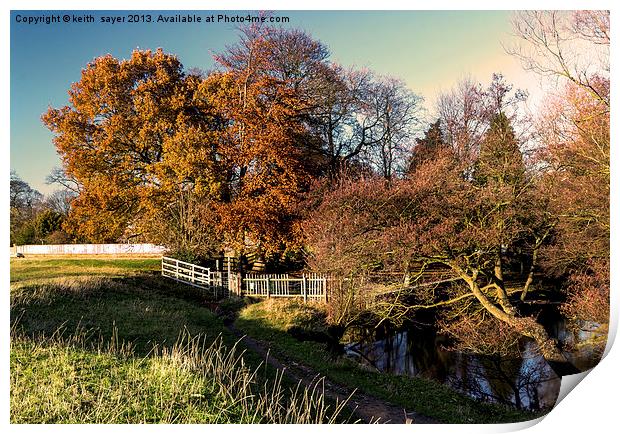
column 145, row 309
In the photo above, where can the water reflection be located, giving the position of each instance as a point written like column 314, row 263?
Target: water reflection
column 527, row 382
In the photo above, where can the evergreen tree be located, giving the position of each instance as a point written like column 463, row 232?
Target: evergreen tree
column 427, row 147
column 500, row 162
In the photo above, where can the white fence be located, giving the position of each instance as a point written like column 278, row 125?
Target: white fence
column 88, row 249
column 308, row 286
column 195, row 275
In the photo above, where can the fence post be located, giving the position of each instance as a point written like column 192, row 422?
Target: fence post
column 325, row 287
column 304, row 287
column 228, row 278
column 268, row 287
column 193, row 273
column 176, row 268
column 210, row 282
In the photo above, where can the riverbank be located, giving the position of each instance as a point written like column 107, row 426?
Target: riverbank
column 296, row 332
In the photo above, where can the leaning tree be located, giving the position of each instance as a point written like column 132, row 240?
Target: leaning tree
column 472, row 218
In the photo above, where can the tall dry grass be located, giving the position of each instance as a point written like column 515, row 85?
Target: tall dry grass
column 66, row 378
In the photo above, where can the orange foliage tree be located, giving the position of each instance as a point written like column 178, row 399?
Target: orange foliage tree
column 133, row 136
column 260, row 148
column 186, row 160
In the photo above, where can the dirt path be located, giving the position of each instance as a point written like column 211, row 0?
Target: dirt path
column 367, row 407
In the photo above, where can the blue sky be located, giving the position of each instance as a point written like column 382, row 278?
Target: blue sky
column 429, row 50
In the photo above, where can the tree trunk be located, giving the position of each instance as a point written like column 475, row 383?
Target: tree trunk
column 526, row 326
column 530, row 276
column 502, row 296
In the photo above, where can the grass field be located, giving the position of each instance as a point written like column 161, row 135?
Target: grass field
column 103, row 294
column 46, row 267
column 109, row 341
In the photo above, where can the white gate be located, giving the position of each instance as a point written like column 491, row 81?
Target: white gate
column 195, row 275
column 307, row 286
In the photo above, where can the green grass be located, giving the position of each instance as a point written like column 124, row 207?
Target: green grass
column 56, row 382
column 145, row 309
column 270, row 320
column 29, row 269
column 66, row 380
column 97, row 341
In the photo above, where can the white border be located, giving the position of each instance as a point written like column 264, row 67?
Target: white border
column 592, row 407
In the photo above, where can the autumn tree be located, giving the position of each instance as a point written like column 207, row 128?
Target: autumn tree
column 133, row 134
column 257, row 90
column 142, row 139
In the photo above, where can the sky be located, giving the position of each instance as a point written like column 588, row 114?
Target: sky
column 429, row 50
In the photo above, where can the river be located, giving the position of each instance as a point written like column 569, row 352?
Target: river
column 526, row 382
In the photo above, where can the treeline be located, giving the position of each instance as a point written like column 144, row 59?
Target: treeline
column 194, row 159
column 282, row 151
column 36, row 219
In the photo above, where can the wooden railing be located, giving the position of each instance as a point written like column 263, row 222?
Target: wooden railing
column 195, row 275
column 309, row 286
